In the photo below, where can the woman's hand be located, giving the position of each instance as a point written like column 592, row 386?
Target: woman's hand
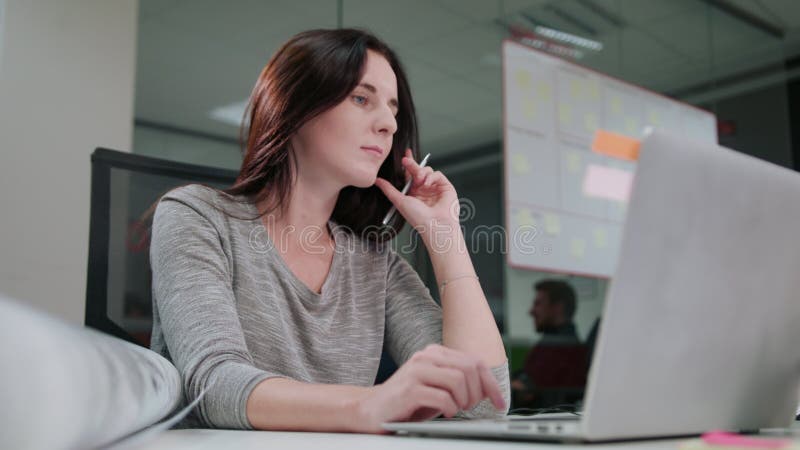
column 430, row 202
column 437, row 380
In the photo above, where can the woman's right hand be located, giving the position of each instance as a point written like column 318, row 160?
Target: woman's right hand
column 437, row 380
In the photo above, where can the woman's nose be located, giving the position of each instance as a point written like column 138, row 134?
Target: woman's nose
column 386, row 123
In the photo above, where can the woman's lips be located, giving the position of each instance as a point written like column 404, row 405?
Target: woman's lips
column 375, row 150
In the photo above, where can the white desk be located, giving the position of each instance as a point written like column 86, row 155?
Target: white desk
column 274, row 440
column 277, row 440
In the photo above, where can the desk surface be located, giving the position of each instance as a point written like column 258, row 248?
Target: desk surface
column 274, row 440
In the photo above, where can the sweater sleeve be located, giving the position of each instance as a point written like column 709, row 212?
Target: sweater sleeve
column 193, row 296
column 414, row 320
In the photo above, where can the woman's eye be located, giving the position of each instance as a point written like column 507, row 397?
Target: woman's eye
column 360, row 99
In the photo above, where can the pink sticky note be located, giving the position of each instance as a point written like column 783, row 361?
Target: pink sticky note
column 737, row 440
column 607, row 183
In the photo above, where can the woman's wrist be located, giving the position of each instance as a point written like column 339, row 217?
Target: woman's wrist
column 357, row 414
column 290, row 405
column 442, row 236
column 449, row 254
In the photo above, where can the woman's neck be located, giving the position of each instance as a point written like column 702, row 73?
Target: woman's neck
column 310, row 205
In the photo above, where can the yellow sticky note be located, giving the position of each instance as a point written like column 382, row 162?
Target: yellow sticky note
column 551, row 224
column 631, row 126
column 525, row 218
column 577, row 247
column 544, row 90
column 575, row 88
column 519, row 164
column 573, row 162
column 600, row 238
column 590, row 120
column 616, row 105
column 564, row 113
column 523, row 79
column 593, row 90
column 653, row 118
column 529, row 109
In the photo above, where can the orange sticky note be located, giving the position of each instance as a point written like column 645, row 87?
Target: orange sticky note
column 616, row 145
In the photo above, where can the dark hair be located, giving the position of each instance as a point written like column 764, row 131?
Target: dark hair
column 312, row 72
column 559, row 291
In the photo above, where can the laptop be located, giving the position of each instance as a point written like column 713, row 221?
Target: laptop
column 700, row 327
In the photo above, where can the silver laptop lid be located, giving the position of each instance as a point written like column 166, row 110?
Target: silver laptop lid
column 701, row 324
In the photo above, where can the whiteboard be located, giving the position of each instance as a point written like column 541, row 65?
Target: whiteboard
column 564, row 210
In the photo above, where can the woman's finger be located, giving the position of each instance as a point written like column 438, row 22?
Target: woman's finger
column 434, row 178
column 490, row 387
column 412, row 167
column 391, row 192
column 422, row 175
column 446, row 378
column 488, row 383
column 430, row 397
column 444, row 357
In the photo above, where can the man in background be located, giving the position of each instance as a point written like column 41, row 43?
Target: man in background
column 555, row 368
column 552, row 312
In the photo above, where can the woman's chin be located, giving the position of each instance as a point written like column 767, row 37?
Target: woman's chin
column 364, row 181
column 364, row 185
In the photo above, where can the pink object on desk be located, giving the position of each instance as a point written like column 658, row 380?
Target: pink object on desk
column 717, row 437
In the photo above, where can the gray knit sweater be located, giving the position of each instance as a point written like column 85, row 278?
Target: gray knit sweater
column 229, row 313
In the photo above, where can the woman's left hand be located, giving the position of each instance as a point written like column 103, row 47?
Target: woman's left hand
column 431, row 201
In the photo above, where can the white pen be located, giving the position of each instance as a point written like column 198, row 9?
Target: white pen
column 405, row 189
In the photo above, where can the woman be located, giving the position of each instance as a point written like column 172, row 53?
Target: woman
column 277, row 295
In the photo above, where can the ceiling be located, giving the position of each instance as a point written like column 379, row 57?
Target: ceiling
column 198, row 55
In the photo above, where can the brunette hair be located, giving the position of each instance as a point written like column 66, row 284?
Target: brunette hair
column 558, row 291
column 312, row 72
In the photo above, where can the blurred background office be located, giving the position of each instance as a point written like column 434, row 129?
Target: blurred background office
column 170, row 78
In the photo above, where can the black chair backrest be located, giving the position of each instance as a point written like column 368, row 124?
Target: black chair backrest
column 124, row 188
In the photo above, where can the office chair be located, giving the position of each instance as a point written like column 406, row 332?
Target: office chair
column 124, row 189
